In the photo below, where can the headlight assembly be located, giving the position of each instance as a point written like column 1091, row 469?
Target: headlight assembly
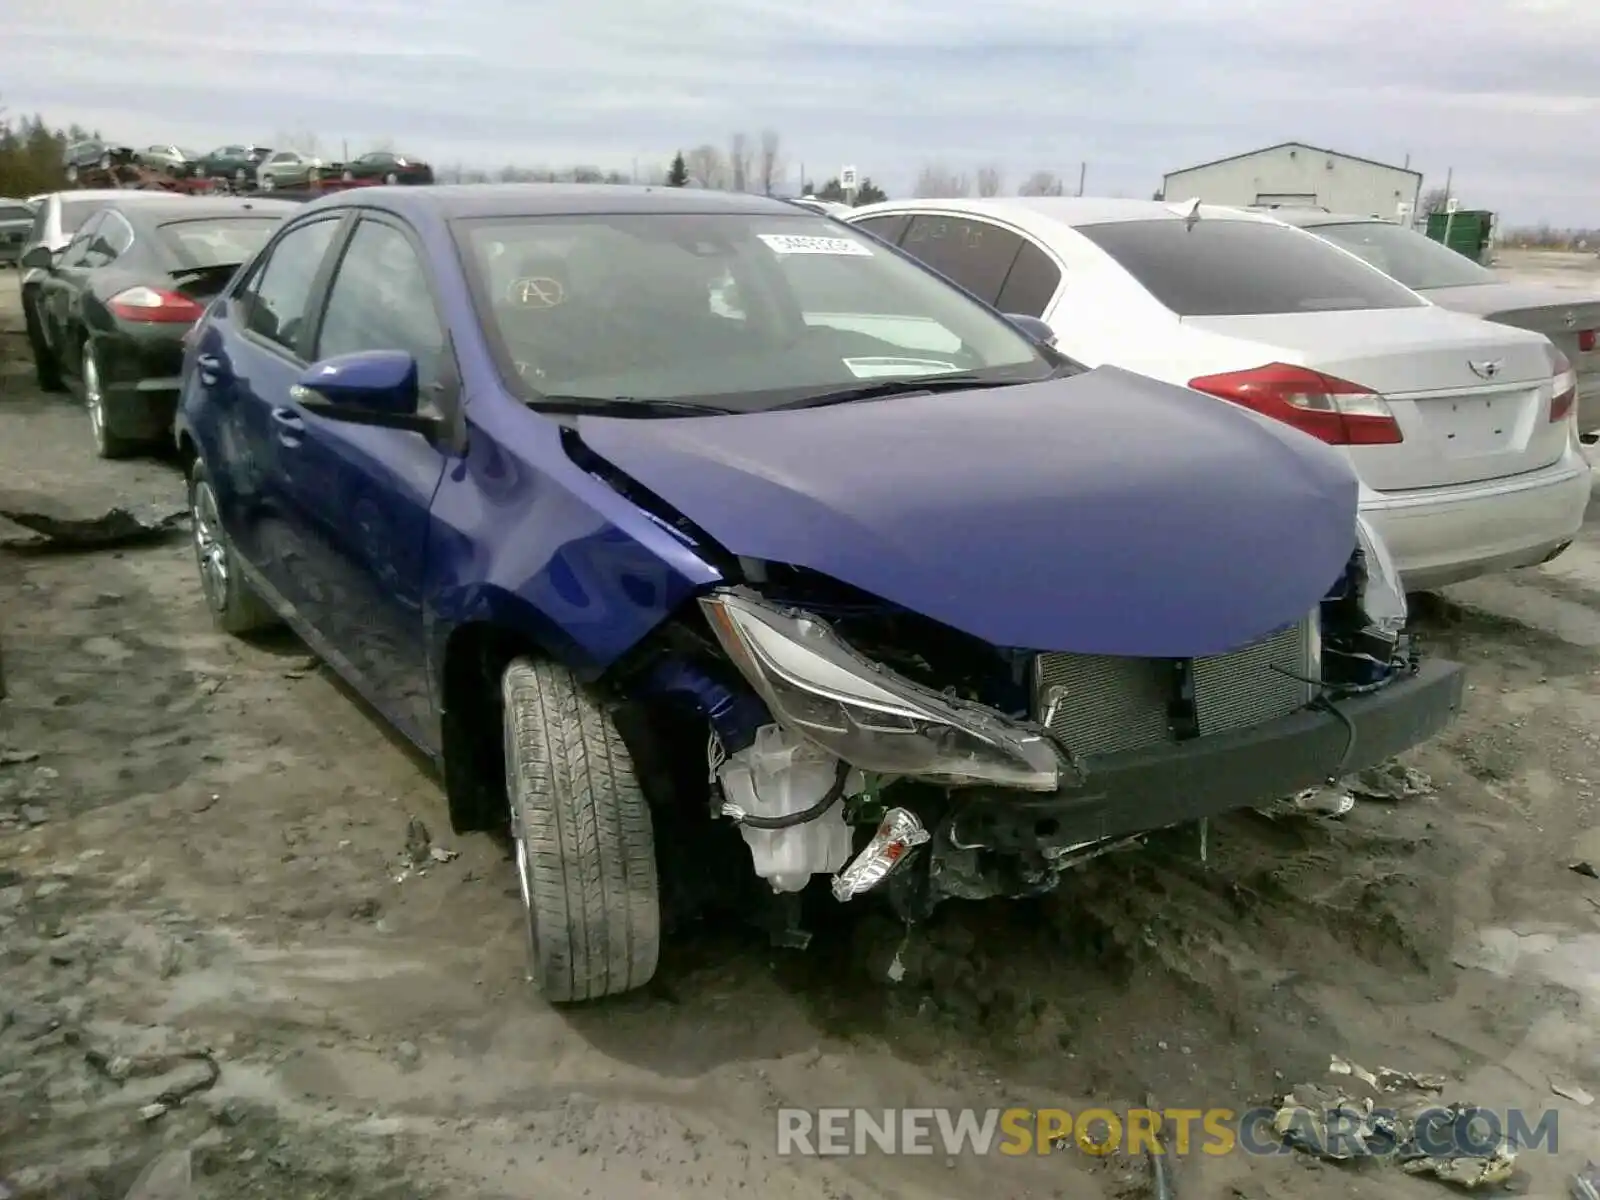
column 867, row 715
column 1383, row 597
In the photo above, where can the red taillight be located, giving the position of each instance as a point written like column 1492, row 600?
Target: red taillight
column 1586, row 340
column 1336, row 411
column 150, row 304
column 1563, row 386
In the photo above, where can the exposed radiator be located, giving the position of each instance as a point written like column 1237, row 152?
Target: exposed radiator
column 1104, row 703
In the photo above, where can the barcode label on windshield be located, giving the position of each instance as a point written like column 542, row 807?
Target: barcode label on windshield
column 789, row 243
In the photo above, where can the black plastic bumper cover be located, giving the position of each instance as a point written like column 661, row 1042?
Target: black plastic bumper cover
column 1143, row 790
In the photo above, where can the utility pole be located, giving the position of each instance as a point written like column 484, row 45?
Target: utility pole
column 1083, row 172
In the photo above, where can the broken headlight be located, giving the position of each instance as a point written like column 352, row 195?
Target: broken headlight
column 866, row 714
column 1383, row 597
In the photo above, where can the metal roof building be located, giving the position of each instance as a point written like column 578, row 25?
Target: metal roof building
column 1297, row 175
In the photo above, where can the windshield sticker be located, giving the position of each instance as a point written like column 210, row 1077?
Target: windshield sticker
column 791, row 243
column 537, row 291
column 885, row 367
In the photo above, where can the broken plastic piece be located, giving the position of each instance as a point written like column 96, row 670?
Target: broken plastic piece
column 898, row 834
column 1467, row 1171
column 1585, row 1184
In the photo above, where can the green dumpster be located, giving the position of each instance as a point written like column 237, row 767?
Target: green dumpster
column 1469, row 231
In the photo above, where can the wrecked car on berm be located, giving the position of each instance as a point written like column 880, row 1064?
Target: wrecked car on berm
column 645, row 511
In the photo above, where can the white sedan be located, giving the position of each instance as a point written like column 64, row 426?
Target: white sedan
column 1463, row 432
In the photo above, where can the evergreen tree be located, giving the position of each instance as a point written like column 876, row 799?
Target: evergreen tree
column 678, row 176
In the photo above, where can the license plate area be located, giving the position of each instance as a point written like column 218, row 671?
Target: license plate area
column 1475, row 426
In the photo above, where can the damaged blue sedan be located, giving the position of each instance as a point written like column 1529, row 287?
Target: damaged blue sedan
column 671, row 521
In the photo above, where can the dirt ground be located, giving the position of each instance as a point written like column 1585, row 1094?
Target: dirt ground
column 202, row 897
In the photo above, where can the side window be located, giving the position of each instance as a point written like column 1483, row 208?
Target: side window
column 1032, row 283
column 380, row 300
column 891, row 227
column 276, row 298
column 973, row 253
column 77, row 249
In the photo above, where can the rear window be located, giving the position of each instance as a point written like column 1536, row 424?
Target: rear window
column 15, row 212
column 216, row 241
column 1404, row 254
column 1223, row 268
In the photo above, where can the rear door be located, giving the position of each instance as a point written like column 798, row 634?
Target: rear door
column 1471, row 398
column 358, row 496
column 245, row 375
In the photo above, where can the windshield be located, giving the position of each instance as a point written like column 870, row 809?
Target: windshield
column 1416, row 261
column 217, row 240
column 1220, row 268
column 744, row 312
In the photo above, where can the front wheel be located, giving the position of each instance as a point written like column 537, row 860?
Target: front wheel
column 268, row 183
column 582, row 838
column 391, row 179
column 45, row 367
column 235, row 606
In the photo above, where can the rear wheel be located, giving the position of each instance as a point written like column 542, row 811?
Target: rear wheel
column 72, row 173
column 268, row 183
column 391, row 179
column 234, row 605
column 349, row 176
column 583, row 839
column 106, row 443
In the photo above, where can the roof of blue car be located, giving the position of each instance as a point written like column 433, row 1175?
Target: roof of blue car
column 557, row 199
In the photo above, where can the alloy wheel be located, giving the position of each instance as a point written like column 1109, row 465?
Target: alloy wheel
column 210, row 550
column 519, row 840
column 94, row 397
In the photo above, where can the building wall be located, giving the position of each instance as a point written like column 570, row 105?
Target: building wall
column 1297, row 174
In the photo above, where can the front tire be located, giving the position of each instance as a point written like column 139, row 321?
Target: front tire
column 583, row 838
column 45, row 367
column 235, row 606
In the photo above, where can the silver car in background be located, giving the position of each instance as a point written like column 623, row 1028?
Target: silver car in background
column 1462, row 431
column 16, row 219
column 1569, row 317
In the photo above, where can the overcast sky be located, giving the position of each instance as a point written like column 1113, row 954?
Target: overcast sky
column 1507, row 92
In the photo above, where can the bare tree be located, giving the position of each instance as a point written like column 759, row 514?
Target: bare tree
column 1042, row 183
column 385, row 144
column 937, row 181
column 989, row 181
column 588, row 175
column 1434, row 200
column 739, row 161
column 707, row 167
column 302, row 141
column 769, row 167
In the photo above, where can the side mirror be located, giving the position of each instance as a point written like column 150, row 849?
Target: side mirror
column 373, row 387
column 39, row 258
column 1033, row 327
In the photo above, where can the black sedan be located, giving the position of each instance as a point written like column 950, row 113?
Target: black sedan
column 94, row 154
column 114, row 304
column 387, row 167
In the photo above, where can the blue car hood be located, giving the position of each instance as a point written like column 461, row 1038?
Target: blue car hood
column 1102, row 513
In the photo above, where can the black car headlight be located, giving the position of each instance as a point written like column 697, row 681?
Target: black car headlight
column 867, row 715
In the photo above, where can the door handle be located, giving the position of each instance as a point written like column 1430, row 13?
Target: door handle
column 210, row 368
column 288, row 420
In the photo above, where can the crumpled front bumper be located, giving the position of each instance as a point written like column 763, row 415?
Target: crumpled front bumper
column 1144, row 790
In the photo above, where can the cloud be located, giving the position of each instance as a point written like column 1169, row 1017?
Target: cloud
column 1501, row 91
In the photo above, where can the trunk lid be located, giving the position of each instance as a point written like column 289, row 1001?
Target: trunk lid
column 1458, row 426
column 1104, row 513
